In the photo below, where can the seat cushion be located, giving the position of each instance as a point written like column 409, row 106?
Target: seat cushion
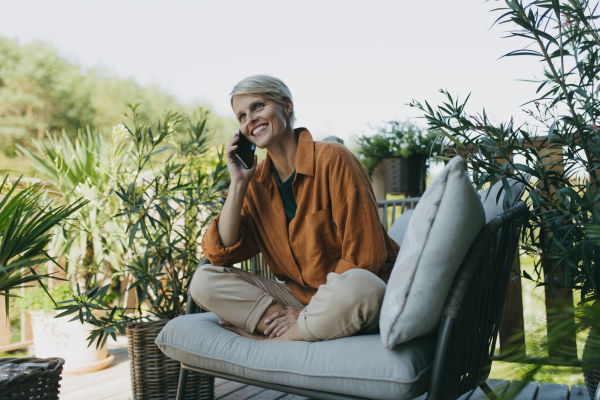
column 444, row 224
column 356, row 365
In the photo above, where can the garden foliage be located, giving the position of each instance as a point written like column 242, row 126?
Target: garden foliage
column 41, row 91
column 169, row 191
column 559, row 147
column 27, row 219
column 394, row 139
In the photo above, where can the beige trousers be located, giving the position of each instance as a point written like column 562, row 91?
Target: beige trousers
column 346, row 304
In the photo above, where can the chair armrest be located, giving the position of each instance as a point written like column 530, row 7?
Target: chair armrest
column 191, row 306
column 469, row 324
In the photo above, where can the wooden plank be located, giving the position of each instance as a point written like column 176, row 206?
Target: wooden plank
column 121, row 396
column 551, row 391
column 4, row 326
column 26, row 331
column 268, row 395
column 106, row 389
column 16, row 346
column 228, row 388
column 244, row 393
column 512, row 325
column 72, row 383
column 527, row 393
column 562, row 299
column 498, row 386
column 578, row 393
column 220, row 381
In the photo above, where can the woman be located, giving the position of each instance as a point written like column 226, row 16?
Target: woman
column 310, row 209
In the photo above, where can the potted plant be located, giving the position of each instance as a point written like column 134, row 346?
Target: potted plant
column 27, row 219
column 559, row 147
column 402, row 149
column 58, row 336
column 90, row 247
column 26, row 222
column 170, row 194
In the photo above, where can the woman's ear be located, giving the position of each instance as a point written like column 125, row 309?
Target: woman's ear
column 289, row 106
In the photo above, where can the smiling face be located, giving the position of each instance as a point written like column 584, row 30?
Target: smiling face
column 261, row 120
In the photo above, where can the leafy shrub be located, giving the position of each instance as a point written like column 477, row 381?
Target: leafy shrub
column 559, row 149
column 170, row 191
column 394, row 138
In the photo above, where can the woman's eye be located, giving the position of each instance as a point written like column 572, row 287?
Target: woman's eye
column 258, row 106
column 242, row 117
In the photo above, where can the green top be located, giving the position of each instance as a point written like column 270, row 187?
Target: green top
column 287, row 195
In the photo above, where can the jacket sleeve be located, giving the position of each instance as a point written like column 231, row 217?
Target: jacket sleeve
column 355, row 214
column 244, row 249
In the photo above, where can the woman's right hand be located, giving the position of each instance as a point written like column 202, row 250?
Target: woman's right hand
column 237, row 172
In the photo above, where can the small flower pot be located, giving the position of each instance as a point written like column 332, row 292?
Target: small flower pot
column 57, row 337
column 404, row 175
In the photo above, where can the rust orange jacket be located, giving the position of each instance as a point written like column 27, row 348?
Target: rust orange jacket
column 336, row 227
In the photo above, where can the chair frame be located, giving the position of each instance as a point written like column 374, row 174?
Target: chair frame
column 468, row 327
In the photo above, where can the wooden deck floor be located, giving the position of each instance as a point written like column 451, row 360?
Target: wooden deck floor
column 113, row 383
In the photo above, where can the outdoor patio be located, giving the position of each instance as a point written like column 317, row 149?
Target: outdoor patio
column 113, row 383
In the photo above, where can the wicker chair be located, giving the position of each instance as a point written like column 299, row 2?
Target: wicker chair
column 468, row 327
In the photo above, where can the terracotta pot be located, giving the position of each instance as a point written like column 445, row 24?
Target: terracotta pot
column 57, row 337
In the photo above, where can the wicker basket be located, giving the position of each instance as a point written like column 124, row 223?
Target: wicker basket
column 591, row 362
column 40, row 384
column 154, row 375
column 404, row 175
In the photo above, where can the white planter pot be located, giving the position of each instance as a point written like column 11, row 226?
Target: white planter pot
column 57, row 337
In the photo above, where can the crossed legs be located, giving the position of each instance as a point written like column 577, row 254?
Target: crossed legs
column 346, row 304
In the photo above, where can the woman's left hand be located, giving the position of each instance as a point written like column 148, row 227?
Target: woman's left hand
column 281, row 321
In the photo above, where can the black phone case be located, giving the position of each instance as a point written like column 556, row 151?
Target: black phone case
column 245, row 151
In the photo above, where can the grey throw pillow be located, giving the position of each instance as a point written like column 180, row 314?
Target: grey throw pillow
column 444, row 224
column 399, row 227
column 494, row 208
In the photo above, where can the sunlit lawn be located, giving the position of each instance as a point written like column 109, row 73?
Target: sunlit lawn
column 534, row 310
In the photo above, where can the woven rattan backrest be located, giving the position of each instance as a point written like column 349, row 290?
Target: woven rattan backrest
column 258, row 266
column 474, row 305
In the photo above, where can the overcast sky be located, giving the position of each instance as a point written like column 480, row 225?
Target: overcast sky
column 347, row 63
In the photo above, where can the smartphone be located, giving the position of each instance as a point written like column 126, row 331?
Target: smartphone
column 245, row 151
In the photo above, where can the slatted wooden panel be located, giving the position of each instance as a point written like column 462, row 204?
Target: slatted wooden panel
column 26, row 332
column 557, row 301
column 512, row 324
column 4, row 325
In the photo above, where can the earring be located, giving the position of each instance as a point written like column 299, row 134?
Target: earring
column 288, row 114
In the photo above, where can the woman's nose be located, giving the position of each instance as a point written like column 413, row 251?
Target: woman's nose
column 252, row 118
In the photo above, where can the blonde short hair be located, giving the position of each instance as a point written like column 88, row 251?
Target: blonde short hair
column 265, row 86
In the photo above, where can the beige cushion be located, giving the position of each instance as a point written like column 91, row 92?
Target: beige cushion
column 444, row 224
column 356, row 365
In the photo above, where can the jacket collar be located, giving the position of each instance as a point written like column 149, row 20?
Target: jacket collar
column 305, row 159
